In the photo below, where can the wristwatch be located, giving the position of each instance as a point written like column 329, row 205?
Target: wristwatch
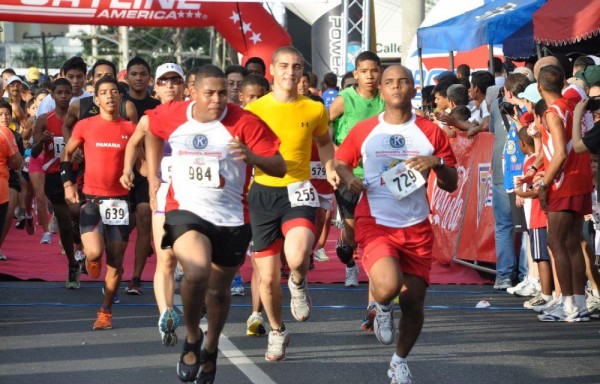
column 541, row 184
column 442, row 163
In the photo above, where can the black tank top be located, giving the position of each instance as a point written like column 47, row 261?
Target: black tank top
column 87, row 108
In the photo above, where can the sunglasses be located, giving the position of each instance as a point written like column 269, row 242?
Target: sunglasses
column 175, row 80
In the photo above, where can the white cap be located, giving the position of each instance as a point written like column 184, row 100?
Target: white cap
column 169, row 67
column 12, row 79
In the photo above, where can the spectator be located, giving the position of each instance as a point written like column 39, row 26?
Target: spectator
column 331, row 89
column 463, row 72
column 256, row 66
column 235, row 75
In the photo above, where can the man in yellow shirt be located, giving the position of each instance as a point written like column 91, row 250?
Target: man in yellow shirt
column 285, row 207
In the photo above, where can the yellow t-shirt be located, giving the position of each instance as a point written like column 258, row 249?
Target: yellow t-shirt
column 295, row 124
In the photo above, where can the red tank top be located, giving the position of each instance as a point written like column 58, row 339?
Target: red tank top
column 53, row 148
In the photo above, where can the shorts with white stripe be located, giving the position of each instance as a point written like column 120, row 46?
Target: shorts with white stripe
column 537, row 240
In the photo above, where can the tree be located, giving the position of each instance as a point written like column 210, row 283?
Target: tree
column 32, row 57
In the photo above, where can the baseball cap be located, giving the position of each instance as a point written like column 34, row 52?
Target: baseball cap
column 590, row 75
column 525, row 71
column 168, row 67
column 12, row 79
column 531, row 93
column 33, row 74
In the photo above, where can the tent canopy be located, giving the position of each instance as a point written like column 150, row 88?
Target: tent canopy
column 561, row 22
column 491, row 23
column 520, row 45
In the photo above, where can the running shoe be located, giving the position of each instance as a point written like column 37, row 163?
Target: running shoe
column 53, row 225
column 46, row 238
column 537, row 301
column 29, row 227
column 79, row 256
column 557, row 314
column 579, row 315
column 254, row 325
column 593, row 305
column 548, row 307
column 503, row 284
column 116, row 297
column 525, row 288
column 167, row 324
column 320, row 255
column 73, row 278
column 399, row 373
column 367, row 323
column 237, row 286
column 134, row 287
column 3, row 256
column 301, row 304
column 278, row 342
column 93, row 268
column 103, row 320
column 384, row 325
column 178, row 272
column 351, row 276
column 20, row 222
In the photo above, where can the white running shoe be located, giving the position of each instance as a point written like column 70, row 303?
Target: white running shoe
column 399, row 373
column 525, row 288
column 46, row 238
column 557, row 314
column 593, row 306
column 254, row 325
column 537, row 301
column 320, row 255
column 351, row 276
column 301, row 304
column 548, row 307
column 384, row 325
column 278, row 342
column 79, row 255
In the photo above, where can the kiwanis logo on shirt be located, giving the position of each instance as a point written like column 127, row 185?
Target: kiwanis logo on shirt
column 197, row 142
column 484, row 188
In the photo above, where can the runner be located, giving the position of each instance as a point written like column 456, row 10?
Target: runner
column 169, row 87
column 49, row 142
column 286, row 207
column 214, row 145
column 104, row 217
column 397, row 149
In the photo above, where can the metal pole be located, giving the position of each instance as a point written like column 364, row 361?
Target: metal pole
column 491, row 66
column 451, row 53
column 94, row 31
column 539, row 51
column 367, row 24
column 124, row 37
column 345, row 36
column 422, row 76
column 44, row 53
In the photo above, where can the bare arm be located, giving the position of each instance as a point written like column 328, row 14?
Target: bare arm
column 578, row 145
column 353, row 183
column 131, row 152
column 71, row 195
column 131, row 112
column 27, row 129
column 447, row 177
column 70, row 120
column 326, row 153
column 155, row 147
column 271, row 165
column 15, row 162
column 40, row 136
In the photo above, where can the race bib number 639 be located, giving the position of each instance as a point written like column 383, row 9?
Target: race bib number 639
column 114, row 212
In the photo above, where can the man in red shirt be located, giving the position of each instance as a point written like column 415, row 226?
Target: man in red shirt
column 104, row 217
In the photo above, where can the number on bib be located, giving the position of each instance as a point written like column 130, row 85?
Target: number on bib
column 303, row 193
column 114, row 212
column 402, row 181
column 165, row 169
column 317, row 170
column 59, row 146
column 26, row 164
column 198, row 171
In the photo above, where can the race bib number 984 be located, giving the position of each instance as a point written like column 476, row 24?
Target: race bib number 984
column 197, row 171
column 114, row 212
column 303, row 193
column 402, row 181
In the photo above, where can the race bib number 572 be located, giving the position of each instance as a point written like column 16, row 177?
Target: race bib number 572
column 402, row 181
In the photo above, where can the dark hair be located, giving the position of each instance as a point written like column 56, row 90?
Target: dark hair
column 482, row 80
column 524, row 137
column 458, row 94
column 551, row 79
column 366, row 56
column 583, row 61
column 516, row 83
column 6, row 105
column 209, row 70
column 427, row 93
column 540, row 108
column 497, row 65
column 464, row 81
column 464, row 71
column 461, row 113
column 236, row 69
column 189, row 74
column 104, row 62
column 43, row 91
column 330, row 80
column 74, row 63
column 138, row 61
column 9, row 70
column 105, row 79
column 30, row 102
column 257, row 60
column 255, row 80
column 313, row 80
column 346, row 76
column 123, row 88
column 443, row 85
column 61, row 81
column 596, row 84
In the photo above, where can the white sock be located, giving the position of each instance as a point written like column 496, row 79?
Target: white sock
column 386, row 307
column 397, row 359
column 569, row 304
column 546, row 297
column 580, row 302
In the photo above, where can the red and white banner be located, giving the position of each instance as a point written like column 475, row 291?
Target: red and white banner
column 248, row 27
column 463, row 221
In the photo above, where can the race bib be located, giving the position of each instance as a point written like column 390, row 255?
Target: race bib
column 114, row 212
column 197, row 171
column 402, row 181
column 165, row 169
column 303, row 193
column 317, row 170
column 26, row 164
column 59, row 146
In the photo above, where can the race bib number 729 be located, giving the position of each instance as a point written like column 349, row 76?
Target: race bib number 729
column 402, row 181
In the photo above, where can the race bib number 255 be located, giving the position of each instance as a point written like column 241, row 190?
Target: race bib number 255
column 303, row 193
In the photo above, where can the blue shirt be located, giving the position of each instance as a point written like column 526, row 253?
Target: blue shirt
column 328, row 96
column 512, row 158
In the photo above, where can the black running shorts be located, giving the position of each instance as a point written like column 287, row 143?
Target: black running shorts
column 90, row 220
column 140, row 191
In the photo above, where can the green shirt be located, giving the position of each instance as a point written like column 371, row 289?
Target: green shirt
column 356, row 108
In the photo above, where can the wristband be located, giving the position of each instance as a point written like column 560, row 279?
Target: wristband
column 66, row 171
column 532, row 167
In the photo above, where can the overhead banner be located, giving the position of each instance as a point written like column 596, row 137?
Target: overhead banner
column 327, row 47
column 248, row 27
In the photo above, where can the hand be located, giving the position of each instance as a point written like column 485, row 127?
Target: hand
column 519, row 201
column 445, row 118
column 449, row 131
column 78, row 156
column 153, row 186
column 126, row 179
column 519, row 183
column 71, row 195
column 538, row 176
column 474, row 130
column 333, row 178
column 355, row 185
column 240, row 151
column 580, row 108
column 46, row 136
column 423, row 163
column 543, row 196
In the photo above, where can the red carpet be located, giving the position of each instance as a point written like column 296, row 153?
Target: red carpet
column 30, row 260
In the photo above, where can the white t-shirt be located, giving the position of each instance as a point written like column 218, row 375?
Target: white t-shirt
column 48, row 104
column 478, row 114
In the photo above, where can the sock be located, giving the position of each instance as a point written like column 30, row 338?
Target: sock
column 386, row 307
column 547, row 297
column 397, row 359
column 351, row 264
column 569, row 304
column 106, row 309
column 580, row 302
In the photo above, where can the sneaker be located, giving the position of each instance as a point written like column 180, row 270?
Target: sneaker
column 384, row 325
column 29, row 227
column 116, row 298
column 103, row 320
column 46, row 238
column 351, row 276
column 344, row 252
column 254, row 325
column 367, row 323
column 536, row 301
column 399, row 373
column 53, row 225
column 320, row 255
column 20, row 222
column 593, row 306
column 3, row 256
column 557, row 314
column 523, row 283
column 577, row 316
column 503, row 284
column 167, row 324
column 73, row 278
column 178, row 272
column 134, row 287
column 301, row 304
column 237, row 287
column 525, row 288
column 278, row 342
column 548, row 307
column 79, row 256
column 93, row 268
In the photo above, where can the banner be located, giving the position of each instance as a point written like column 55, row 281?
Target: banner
column 327, row 43
column 463, row 221
column 248, row 27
